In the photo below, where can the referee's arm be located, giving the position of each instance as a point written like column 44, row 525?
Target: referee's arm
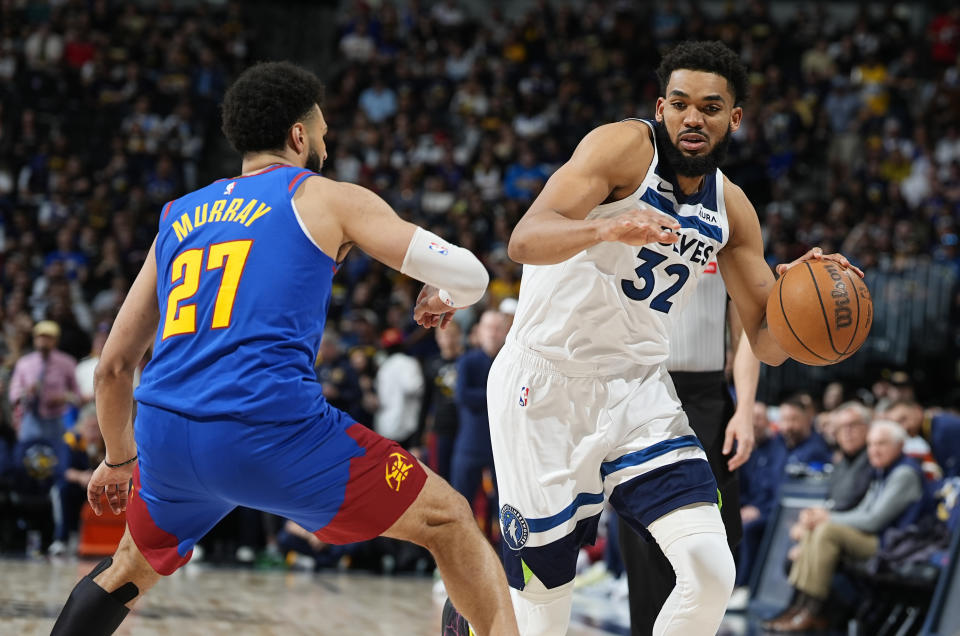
column 746, row 375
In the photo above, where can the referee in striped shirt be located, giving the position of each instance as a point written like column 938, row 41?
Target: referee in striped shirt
column 696, row 364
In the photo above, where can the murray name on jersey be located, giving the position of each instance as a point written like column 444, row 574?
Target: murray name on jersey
column 219, row 212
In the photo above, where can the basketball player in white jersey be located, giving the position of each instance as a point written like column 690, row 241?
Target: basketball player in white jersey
column 581, row 405
column 697, row 360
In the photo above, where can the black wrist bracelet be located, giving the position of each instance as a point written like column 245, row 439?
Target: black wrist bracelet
column 129, row 461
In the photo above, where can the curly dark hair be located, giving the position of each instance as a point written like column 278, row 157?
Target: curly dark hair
column 265, row 101
column 712, row 57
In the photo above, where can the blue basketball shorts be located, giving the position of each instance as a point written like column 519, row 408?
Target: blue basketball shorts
column 336, row 478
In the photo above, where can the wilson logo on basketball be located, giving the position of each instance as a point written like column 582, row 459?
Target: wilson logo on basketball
column 819, row 313
column 397, row 470
column 842, row 314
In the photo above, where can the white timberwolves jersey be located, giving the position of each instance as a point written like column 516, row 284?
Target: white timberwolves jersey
column 611, row 305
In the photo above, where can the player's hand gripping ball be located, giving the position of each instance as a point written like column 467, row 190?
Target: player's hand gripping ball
column 819, row 312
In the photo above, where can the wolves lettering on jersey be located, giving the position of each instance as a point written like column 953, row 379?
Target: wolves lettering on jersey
column 243, row 292
column 612, row 304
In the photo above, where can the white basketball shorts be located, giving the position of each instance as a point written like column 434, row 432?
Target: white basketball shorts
column 565, row 437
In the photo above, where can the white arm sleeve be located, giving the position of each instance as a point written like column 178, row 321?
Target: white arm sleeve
column 455, row 271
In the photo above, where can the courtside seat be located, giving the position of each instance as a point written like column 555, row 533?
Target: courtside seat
column 100, row 536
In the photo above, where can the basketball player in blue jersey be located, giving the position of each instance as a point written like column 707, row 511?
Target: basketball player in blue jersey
column 233, row 295
column 581, row 406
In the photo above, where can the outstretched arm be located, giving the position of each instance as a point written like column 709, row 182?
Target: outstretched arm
column 555, row 227
column 342, row 214
column 748, row 277
column 130, row 336
column 746, row 375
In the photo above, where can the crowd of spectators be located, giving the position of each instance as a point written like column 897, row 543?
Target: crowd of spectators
column 105, row 111
column 884, row 466
column 850, row 141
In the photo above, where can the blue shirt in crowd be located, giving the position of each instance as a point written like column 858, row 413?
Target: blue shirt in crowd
column 760, row 477
column 473, row 436
column 812, row 451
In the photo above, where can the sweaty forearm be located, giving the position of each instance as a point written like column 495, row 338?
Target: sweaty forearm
column 455, row 271
column 114, row 399
column 766, row 349
column 549, row 237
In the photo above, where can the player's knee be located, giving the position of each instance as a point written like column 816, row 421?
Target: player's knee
column 449, row 513
column 705, row 569
column 458, row 512
column 128, row 565
column 129, row 558
column 716, row 566
column 542, row 611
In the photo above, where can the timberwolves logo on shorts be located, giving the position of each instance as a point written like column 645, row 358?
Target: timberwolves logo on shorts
column 513, row 527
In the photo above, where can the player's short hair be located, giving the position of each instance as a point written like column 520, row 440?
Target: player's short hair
column 712, row 57
column 265, row 101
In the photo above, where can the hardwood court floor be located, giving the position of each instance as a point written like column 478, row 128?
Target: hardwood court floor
column 202, row 600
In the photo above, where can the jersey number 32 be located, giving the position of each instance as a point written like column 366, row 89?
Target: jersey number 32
column 650, row 260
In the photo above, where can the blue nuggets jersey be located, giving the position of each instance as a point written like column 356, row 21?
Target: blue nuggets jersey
column 612, row 305
column 243, row 292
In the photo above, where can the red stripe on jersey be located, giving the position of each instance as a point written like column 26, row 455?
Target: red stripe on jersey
column 383, row 482
column 166, row 210
column 297, row 178
column 157, row 546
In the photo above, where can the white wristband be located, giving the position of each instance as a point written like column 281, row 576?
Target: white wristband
column 454, row 270
column 445, row 297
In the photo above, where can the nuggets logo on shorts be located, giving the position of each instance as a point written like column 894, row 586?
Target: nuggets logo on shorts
column 513, row 527
column 524, row 395
column 397, row 471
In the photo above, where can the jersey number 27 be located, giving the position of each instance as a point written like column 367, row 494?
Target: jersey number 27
column 231, row 257
column 645, row 272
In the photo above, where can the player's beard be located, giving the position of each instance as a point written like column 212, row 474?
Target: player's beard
column 313, row 161
column 686, row 165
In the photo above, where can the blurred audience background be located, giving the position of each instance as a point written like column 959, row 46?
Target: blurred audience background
column 456, row 113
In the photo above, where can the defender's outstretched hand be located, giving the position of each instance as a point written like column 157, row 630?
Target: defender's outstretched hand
column 430, row 310
column 816, row 254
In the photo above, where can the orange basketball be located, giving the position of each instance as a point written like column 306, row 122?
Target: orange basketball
column 819, row 312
